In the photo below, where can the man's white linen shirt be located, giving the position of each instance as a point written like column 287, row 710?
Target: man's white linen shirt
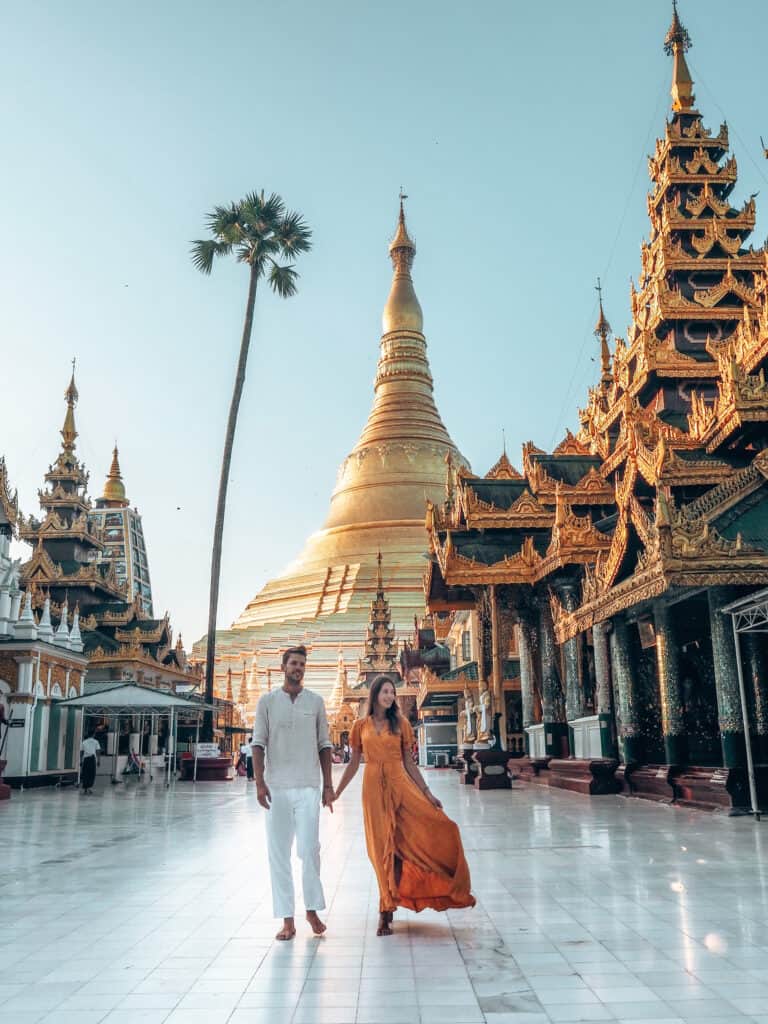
column 292, row 733
column 90, row 747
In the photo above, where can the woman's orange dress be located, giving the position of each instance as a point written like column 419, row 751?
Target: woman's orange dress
column 414, row 847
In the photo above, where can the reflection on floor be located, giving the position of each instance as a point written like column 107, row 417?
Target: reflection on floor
column 141, row 905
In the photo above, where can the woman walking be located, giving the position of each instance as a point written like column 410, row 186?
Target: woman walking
column 415, row 849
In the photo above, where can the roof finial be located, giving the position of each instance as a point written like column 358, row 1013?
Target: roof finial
column 379, row 579
column 503, row 441
column 69, row 431
column 402, row 311
column 676, row 42
column 602, row 333
column 114, row 488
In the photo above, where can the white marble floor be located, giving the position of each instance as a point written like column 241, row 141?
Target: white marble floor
column 142, row 906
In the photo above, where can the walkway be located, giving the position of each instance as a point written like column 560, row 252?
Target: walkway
column 138, row 906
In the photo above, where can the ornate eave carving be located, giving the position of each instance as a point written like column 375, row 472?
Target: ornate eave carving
column 526, row 512
column 458, row 569
column 571, row 445
column 41, row 568
column 503, row 470
column 9, row 501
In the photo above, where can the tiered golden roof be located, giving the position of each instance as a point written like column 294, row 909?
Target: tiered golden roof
column 673, row 436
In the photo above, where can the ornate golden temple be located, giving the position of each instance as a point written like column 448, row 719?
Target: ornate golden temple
column 323, row 599
column 627, row 569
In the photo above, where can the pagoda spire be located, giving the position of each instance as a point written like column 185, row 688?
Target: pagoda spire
column 242, row 697
column 602, row 333
column 676, row 43
column 402, row 311
column 254, row 683
column 69, row 431
column 380, row 654
column 340, row 685
column 229, row 695
column 114, row 488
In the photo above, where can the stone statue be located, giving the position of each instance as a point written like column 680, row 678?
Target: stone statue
column 483, row 713
column 468, row 727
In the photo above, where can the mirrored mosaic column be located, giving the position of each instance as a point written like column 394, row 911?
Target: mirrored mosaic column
column 630, row 740
column 670, row 690
column 526, row 647
column 726, row 678
column 604, row 708
column 574, row 695
column 552, row 703
column 757, row 683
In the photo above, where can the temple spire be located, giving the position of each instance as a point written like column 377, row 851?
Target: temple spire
column 676, row 43
column 402, row 311
column 380, row 655
column 602, row 333
column 114, row 488
column 69, row 431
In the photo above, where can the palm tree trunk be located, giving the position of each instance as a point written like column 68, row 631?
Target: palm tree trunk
column 221, row 504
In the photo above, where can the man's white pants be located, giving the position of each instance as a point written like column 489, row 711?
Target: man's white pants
column 295, row 813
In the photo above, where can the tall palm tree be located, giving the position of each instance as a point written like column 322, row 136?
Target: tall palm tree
column 267, row 237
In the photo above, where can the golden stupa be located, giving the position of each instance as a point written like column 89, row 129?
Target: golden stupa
column 323, row 598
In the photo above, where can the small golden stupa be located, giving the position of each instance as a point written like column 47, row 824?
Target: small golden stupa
column 323, row 598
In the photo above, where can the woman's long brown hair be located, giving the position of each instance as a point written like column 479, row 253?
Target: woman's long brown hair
column 393, row 713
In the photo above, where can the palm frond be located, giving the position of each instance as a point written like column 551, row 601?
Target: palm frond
column 205, row 250
column 270, row 211
column 283, row 280
column 294, row 235
column 223, row 218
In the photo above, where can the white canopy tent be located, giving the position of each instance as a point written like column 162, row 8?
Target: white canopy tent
column 748, row 615
column 144, row 702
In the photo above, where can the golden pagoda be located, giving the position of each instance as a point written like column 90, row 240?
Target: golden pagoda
column 323, row 598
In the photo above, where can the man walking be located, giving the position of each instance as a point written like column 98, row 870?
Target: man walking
column 291, row 734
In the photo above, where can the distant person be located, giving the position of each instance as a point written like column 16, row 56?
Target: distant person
column 291, row 736
column 246, row 758
column 415, row 849
column 90, row 751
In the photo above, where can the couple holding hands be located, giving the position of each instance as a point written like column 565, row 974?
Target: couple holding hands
column 414, row 848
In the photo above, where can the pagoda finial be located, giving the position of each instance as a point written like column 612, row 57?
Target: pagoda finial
column 402, row 311
column 379, row 579
column 114, row 488
column 676, row 43
column 602, row 333
column 69, row 431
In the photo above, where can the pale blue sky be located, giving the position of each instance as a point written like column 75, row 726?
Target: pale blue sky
column 519, row 131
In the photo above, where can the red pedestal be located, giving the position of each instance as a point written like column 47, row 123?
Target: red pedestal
column 5, row 791
column 530, row 769
column 589, row 776
column 467, row 766
column 492, row 769
column 651, row 782
column 209, row 769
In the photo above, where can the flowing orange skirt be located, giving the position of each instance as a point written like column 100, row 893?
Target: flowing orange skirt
column 415, row 849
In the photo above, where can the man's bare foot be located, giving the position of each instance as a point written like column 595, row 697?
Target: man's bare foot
column 315, row 923
column 385, row 920
column 288, row 931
